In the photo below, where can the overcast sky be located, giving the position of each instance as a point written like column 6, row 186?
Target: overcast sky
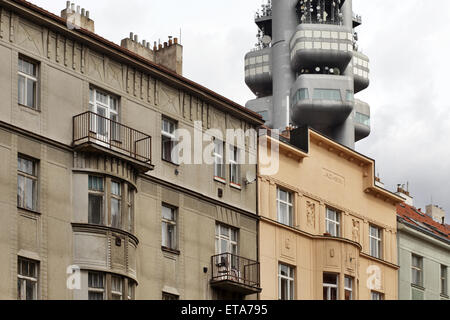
column 408, row 43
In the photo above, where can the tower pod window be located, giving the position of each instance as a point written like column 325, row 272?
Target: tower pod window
column 327, row 94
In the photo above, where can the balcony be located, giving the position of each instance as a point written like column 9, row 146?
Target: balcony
column 327, row 45
column 236, row 274
column 258, row 71
column 95, row 133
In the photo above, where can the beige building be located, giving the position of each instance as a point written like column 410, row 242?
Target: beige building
column 93, row 203
column 327, row 231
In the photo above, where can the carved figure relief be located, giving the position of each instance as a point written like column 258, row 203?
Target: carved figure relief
column 311, row 213
column 355, row 231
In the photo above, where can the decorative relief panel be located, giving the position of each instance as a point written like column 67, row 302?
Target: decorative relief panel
column 332, row 254
column 169, row 99
column 288, row 245
column 114, row 75
column 228, row 217
column 333, row 177
column 30, row 37
column 96, row 66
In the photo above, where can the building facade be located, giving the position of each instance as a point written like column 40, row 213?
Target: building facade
column 424, row 254
column 94, row 203
column 327, row 231
column 306, row 68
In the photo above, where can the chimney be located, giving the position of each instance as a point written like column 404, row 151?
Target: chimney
column 379, row 183
column 78, row 18
column 404, row 193
column 436, row 213
column 171, row 56
column 140, row 48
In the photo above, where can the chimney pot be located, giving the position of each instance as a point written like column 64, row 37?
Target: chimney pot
column 175, row 40
column 83, row 12
column 136, row 38
column 78, row 9
column 165, row 44
column 72, row 7
column 67, row 5
column 131, row 35
column 87, row 14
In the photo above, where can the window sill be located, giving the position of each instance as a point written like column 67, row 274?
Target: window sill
column 170, row 163
column 172, row 251
column 37, row 110
column 220, row 180
column 417, row 287
column 236, row 186
column 29, row 211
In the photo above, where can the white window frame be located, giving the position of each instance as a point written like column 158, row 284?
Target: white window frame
column 289, row 205
column 111, row 114
column 378, row 238
column 115, row 293
column 165, row 223
column 130, row 209
column 23, row 279
column 232, row 245
column 173, row 138
column 290, row 280
column 336, row 232
column 349, row 288
column 118, row 198
column 330, row 286
column 376, row 296
column 25, row 176
column 235, row 167
column 98, row 290
column 444, row 280
column 418, row 269
column 98, row 193
column 219, row 163
column 33, row 78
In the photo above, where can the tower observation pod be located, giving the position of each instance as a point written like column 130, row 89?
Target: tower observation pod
column 306, row 68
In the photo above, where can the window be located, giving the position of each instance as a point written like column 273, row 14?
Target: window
column 116, row 288
column 332, row 220
column 116, row 200
column 168, row 140
column 28, row 83
column 350, row 96
column 27, row 279
column 27, row 184
column 285, row 282
column 226, row 240
column 219, row 168
column 362, row 119
column 348, row 288
column 444, row 281
column 376, row 296
column 106, row 107
column 96, row 284
column 330, row 286
column 375, row 242
column 96, row 196
column 285, row 207
column 417, row 269
column 130, row 205
column 235, row 168
column 302, row 94
column 131, row 292
column 327, row 94
column 169, row 297
column 169, row 227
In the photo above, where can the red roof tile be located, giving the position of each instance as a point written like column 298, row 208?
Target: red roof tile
column 420, row 219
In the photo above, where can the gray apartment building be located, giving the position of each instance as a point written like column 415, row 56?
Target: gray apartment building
column 424, row 251
column 94, row 204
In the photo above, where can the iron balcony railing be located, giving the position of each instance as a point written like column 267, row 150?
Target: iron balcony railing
column 90, row 127
column 230, row 267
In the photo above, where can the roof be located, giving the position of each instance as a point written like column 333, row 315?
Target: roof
column 412, row 216
column 256, row 117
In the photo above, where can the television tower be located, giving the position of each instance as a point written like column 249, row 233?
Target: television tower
column 306, row 68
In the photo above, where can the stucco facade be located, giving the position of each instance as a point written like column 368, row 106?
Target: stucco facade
column 323, row 176
column 424, row 257
column 56, row 232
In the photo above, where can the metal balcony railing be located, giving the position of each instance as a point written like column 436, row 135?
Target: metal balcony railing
column 239, row 270
column 90, row 127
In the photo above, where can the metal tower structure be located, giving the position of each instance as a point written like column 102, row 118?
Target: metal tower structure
column 306, row 68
